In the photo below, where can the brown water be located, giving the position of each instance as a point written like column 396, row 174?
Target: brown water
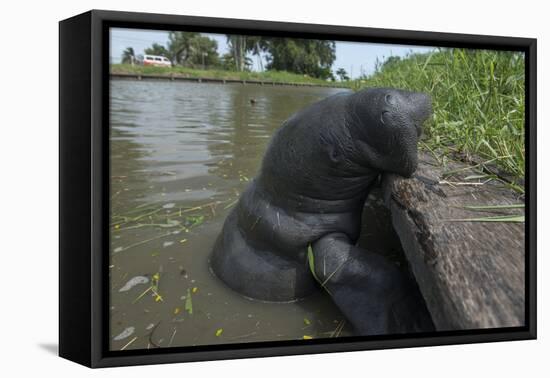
column 181, row 153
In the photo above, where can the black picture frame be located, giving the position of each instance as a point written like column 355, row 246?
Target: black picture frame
column 84, row 187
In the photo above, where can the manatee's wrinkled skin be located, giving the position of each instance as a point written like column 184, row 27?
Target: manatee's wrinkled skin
column 372, row 293
column 313, row 182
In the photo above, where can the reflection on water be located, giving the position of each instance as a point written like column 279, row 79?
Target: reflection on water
column 180, row 155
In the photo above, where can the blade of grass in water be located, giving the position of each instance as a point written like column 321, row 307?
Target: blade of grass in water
column 311, row 262
column 189, row 302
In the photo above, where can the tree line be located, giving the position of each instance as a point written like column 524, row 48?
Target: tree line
column 302, row 56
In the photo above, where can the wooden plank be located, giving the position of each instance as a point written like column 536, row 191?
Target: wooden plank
column 471, row 274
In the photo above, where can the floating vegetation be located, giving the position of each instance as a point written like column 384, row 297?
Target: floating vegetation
column 195, row 220
column 164, row 216
column 189, row 303
column 167, row 216
column 338, row 330
column 155, row 287
column 231, row 204
column 129, row 343
column 142, row 294
column 219, row 332
column 311, row 262
column 172, row 337
column 151, row 334
column 121, row 249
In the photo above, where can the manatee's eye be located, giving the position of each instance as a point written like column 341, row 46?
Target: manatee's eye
column 389, row 99
column 384, row 116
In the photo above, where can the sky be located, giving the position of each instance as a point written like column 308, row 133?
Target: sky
column 355, row 57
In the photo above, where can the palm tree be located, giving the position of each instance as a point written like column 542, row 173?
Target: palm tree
column 342, row 74
column 237, row 47
column 128, row 56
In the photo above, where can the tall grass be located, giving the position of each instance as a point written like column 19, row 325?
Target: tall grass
column 478, row 100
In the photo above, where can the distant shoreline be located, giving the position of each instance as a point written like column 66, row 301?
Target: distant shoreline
column 164, row 77
column 178, row 73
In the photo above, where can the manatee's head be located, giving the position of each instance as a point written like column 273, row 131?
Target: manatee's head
column 386, row 124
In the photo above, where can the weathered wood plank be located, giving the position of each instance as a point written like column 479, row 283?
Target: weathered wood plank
column 471, row 274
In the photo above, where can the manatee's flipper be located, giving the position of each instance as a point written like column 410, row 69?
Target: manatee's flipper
column 257, row 273
column 372, row 293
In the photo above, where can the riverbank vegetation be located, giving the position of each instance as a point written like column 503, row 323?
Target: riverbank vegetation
column 478, row 101
column 267, row 76
column 310, row 57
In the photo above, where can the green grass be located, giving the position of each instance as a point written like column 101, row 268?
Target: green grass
column 478, row 100
column 275, row 76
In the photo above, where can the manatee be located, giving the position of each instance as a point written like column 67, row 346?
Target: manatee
column 371, row 292
column 313, row 182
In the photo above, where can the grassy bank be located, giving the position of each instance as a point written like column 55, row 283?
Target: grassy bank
column 274, row 76
column 478, row 101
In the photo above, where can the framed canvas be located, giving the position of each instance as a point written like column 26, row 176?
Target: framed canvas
column 235, row 188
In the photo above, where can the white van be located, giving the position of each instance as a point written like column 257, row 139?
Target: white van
column 156, row 60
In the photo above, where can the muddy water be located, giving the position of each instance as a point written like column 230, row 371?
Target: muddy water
column 180, row 155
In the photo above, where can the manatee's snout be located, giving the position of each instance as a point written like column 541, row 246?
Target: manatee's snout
column 421, row 105
column 390, row 125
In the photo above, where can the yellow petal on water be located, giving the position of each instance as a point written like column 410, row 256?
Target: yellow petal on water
column 183, row 241
column 307, row 337
column 306, row 321
column 219, row 332
column 176, row 310
column 117, row 226
column 195, row 289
